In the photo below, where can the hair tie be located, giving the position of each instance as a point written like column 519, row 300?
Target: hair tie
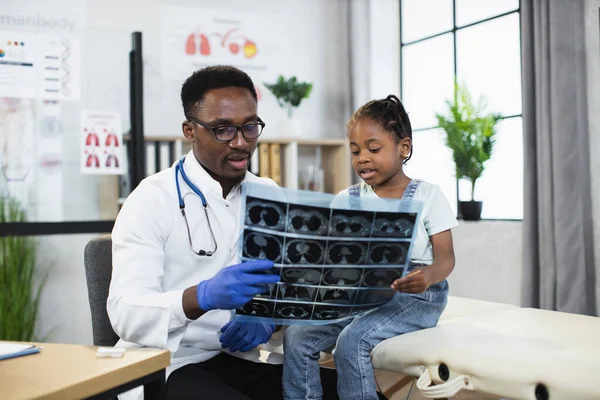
column 393, row 99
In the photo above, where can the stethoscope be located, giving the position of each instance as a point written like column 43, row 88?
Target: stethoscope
column 179, row 169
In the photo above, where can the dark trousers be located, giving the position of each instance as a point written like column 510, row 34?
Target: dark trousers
column 227, row 377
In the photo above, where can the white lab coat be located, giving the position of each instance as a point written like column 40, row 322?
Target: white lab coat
column 153, row 264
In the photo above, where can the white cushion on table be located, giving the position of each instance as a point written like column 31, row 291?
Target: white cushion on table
column 506, row 351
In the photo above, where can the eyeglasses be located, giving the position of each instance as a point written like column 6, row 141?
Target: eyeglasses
column 227, row 133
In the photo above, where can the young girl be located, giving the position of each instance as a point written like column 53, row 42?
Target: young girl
column 380, row 137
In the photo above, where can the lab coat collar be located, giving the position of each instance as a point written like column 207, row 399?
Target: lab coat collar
column 202, row 179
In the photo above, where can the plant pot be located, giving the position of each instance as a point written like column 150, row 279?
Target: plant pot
column 471, row 210
column 288, row 127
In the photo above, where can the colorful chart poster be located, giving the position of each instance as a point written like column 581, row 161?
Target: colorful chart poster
column 17, row 65
column 39, row 65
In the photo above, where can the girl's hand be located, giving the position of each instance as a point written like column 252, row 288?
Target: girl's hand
column 417, row 281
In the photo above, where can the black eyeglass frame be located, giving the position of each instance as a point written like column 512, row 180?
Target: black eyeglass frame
column 238, row 128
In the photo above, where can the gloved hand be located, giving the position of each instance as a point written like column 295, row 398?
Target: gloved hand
column 234, row 286
column 245, row 336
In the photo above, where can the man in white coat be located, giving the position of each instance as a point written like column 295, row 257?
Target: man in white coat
column 177, row 274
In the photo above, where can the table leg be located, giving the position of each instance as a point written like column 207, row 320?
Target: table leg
column 156, row 389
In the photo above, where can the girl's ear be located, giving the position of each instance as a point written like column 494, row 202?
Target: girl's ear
column 404, row 147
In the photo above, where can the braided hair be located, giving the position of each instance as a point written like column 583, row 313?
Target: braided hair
column 390, row 114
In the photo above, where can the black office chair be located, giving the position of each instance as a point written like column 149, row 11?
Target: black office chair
column 98, row 272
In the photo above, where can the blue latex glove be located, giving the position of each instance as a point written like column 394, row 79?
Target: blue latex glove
column 245, row 336
column 234, row 286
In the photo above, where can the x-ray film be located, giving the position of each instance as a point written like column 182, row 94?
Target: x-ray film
column 336, row 256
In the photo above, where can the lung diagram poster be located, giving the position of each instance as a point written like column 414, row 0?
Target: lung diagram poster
column 102, row 150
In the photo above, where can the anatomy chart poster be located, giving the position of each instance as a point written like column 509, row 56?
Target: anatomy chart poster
column 102, row 149
column 195, row 37
column 59, row 68
column 336, row 256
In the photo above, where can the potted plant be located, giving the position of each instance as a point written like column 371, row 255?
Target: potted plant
column 19, row 293
column 289, row 94
column 470, row 134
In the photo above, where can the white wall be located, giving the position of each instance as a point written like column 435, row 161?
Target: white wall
column 375, row 49
column 315, row 29
column 592, row 44
column 385, row 47
column 488, row 261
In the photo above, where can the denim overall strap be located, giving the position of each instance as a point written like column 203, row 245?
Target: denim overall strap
column 408, row 195
column 411, row 189
column 409, row 192
column 354, row 190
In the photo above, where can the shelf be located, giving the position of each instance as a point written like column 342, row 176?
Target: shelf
column 332, row 155
column 306, row 142
column 295, row 154
column 300, row 141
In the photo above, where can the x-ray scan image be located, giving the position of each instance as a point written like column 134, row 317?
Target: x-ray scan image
column 387, row 253
column 327, row 312
column 394, row 225
column 347, row 223
column 304, row 251
column 257, row 308
column 270, row 293
column 262, row 246
column 302, row 275
column 293, row 310
column 381, row 277
column 336, row 257
column 336, row 296
column 265, row 214
column 368, row 296
column 297, row 293
column 346, row 252
column 306, row 220
column 341, row 276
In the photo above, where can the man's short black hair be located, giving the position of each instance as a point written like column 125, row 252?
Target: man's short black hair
column 214, row 77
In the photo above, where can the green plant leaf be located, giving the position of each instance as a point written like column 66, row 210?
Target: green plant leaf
column 289, row 92
column 19, row 293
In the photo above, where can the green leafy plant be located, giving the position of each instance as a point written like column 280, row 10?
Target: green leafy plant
column 470, row 134
column 289, row 92
column 19, row 293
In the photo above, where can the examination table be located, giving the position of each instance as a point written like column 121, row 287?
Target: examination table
column 499, row 349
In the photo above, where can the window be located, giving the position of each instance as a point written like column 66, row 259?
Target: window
column 481, row 47
column 470, row 11
column 426, row 18
column 427, row 80
column 489, row 61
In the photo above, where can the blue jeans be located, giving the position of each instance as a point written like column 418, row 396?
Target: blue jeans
column 353, row 340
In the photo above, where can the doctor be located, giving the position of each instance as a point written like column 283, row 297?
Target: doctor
column 176, row 267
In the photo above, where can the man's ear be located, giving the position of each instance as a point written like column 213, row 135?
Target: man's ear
column 188, row 131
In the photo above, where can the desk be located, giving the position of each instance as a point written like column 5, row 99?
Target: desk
column 66, row 371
